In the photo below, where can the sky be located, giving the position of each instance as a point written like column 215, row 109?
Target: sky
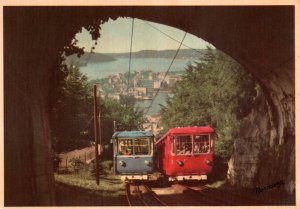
column 116, row 37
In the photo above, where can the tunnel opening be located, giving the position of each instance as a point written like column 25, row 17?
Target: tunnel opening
column 253, row 150
column 276, row 118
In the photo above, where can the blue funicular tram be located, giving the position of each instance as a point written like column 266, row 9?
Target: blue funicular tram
column 133, row 153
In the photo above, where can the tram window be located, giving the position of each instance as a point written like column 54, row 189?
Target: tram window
column 182, row 145
column 125, row 146
column 141, row 146
column 201, row 144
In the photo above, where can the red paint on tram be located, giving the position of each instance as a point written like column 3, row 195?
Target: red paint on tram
column 186, row 151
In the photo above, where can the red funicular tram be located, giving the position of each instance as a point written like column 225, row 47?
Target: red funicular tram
column 186, row 153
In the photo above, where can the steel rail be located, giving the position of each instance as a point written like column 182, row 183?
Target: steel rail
column 140, row 195
column 128, row 194
column 146, row 199
column 153, row 194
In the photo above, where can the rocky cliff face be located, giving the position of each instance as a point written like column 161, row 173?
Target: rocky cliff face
column 264, row 152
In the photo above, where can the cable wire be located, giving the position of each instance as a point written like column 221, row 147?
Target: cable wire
column 132, row 26
column 202, row 53
column 166, row 73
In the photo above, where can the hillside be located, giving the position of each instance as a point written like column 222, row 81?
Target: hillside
column 109, row 57
column 183, row 54
column 87, row 57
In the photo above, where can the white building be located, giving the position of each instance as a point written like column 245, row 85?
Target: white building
column 156, row 84
column 153, row 124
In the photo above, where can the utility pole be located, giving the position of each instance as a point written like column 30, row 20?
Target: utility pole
column 99, row 121
column 115, row 126
column 96, row 133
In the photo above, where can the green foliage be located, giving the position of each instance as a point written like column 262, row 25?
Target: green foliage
column 214, row 91
column 70, row 98
column 125, row 114
column 105, row 168
column 77, row 163
column 110, row 184
column 71, row 112
column 92, row 169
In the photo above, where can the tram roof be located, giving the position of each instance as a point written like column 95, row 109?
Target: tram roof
column 187, row 130
column 133, row 134
column 191, row 129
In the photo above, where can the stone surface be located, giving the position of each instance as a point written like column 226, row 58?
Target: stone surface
column 264, row 151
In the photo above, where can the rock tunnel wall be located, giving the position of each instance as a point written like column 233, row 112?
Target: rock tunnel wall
column 264, row 152
column 260, row 38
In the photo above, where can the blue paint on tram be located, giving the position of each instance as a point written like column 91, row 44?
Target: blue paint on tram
column 133, row 154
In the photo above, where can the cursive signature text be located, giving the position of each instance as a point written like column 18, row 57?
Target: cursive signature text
column 277, row 184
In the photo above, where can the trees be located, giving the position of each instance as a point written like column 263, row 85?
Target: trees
column 213, row 91
column 71, row 117
column 124, row 113
column 71, row 112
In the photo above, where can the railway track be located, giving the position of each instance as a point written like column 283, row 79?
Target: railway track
column 142, row 195
column 216, row 197
column 209, row 196
column 199, row 195
column 184, row 195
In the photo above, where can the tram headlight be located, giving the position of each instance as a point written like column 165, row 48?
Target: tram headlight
column 208, row 162
column 180, row 163
column 147, row 162
column 122, row 163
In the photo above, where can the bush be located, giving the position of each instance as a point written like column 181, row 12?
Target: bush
column 105, row 167
column 77, row 164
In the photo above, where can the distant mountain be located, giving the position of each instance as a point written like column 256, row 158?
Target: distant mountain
column 88, row 57
column 182, row 54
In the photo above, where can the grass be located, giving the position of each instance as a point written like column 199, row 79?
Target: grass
column 110, row 185
column 217, row 184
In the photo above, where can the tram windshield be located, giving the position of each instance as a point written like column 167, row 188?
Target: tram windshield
column 182, row 145
column 136, row 146
column 125, row 146
column 188, row 144
column 201, row 144
column 141, row 146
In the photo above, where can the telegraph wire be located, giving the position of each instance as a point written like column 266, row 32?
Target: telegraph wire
column 166, row 74
column 91, row 51
column 229, row 77
column 132, row 26
column 202, row 53
column 202, row 84
column 234, row 97
column 88, row 124
column 181, row 44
